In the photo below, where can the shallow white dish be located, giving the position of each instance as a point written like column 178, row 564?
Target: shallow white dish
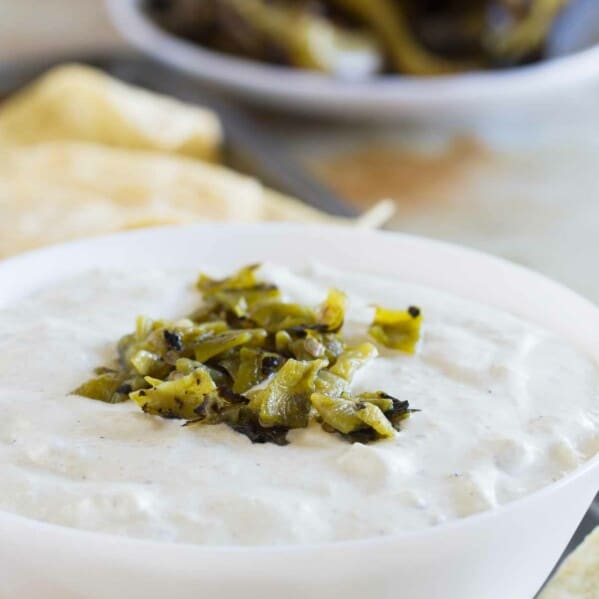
column 379, row 98
column 506, row 552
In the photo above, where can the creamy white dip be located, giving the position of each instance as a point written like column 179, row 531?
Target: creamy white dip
column 506, row 409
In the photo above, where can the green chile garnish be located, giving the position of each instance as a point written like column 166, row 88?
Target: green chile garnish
column 260, row 365
column 397, row 329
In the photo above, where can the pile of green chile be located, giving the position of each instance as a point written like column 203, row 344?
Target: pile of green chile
column 262, row 366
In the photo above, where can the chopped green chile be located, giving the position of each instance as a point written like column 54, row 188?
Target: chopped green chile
column 104, row 387
column 336, row 379
column 220, row 406
column 219, row 344
column 397, row 329
column 187, row 366
column 248, row 373
column 226, row 407
column 352, row 359
column 334, row 345
column 348, row 415
column 340, row 414
column 380, row 399
column 285, row 401
column 254, row 367
column 307, row 347
column 330, row 383
column 242, row 279
column 282, row 342
column 198, row 332
column 262, row 366
column 374, row 417
column 308, row 343
column 147, row 363
column 277, row 316
column 177, row 398
column 249, row 296
column 395, row 410
column 332, row 311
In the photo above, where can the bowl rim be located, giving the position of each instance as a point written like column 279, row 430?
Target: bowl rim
column 84, row 246
column 390, row 91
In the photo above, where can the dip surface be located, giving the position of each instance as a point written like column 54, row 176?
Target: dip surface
column 506, row 409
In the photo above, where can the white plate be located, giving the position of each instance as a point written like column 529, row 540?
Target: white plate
column 503, row 553
column 379, row 98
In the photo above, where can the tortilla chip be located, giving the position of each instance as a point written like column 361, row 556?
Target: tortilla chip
column 82, row 154
column 578, row 577
column 58, row 191
column 80, row 103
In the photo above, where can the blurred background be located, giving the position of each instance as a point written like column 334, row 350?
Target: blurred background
column 477, row 120
column 515, row 178
column 30, row 29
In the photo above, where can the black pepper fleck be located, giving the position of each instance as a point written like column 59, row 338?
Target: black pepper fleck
column 414, row 312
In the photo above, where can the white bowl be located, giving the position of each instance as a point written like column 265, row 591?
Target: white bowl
column 500, row 554
column 379, row 98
